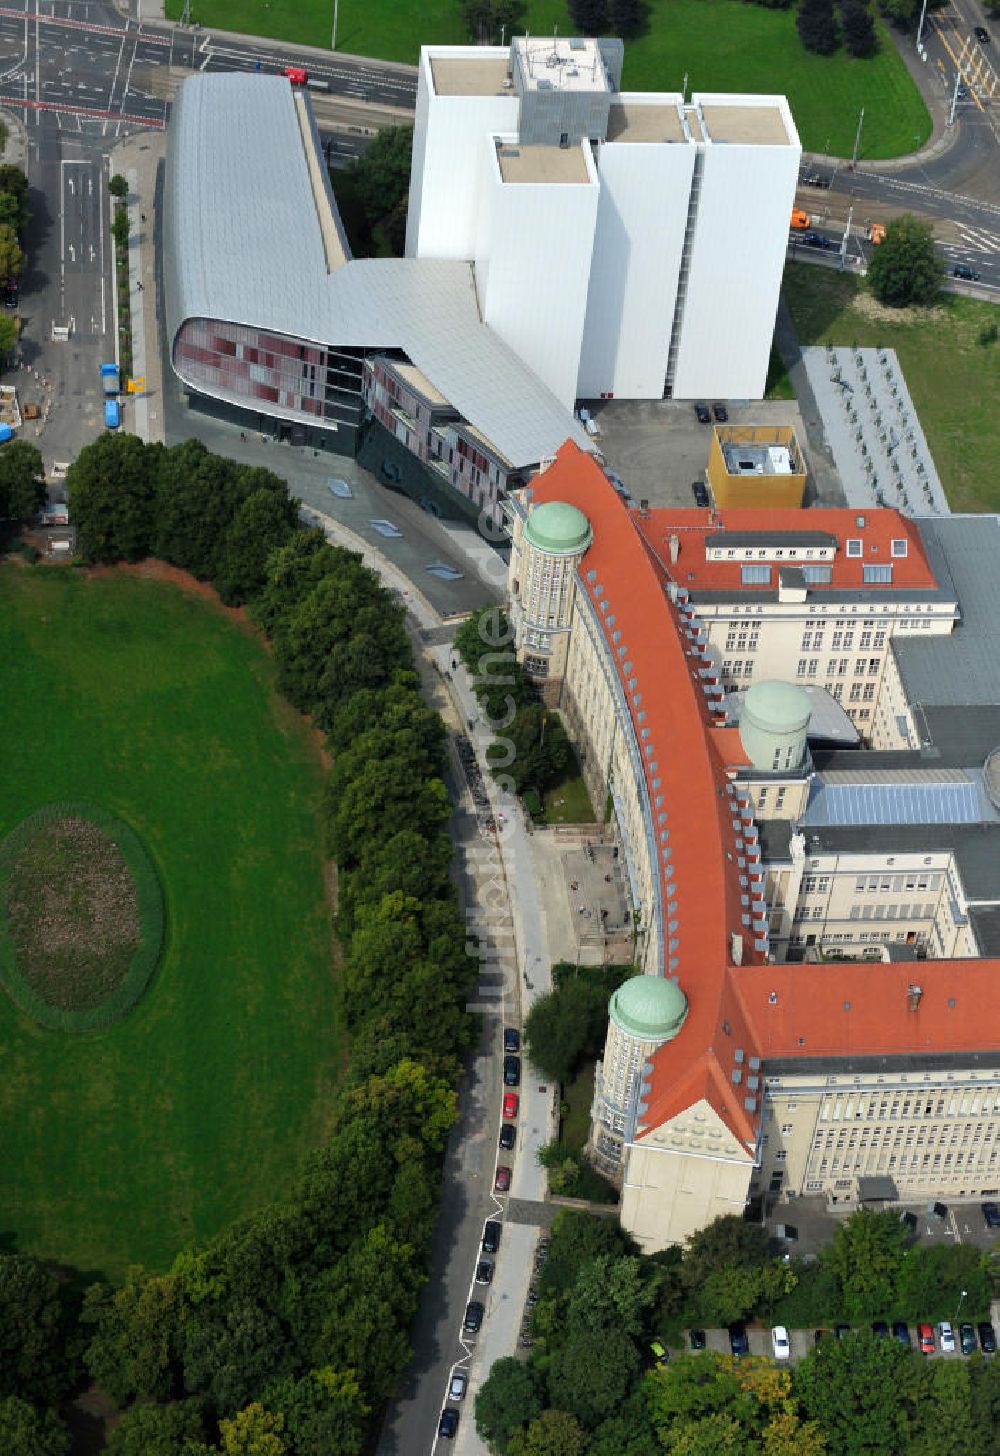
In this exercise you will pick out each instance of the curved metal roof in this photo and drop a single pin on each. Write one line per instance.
(243, 242)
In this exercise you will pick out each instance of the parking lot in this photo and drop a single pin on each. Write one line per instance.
(659, 447)
(814, 1223)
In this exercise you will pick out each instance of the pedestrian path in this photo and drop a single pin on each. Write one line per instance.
(137, 159)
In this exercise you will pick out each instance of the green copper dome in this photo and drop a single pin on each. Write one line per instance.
(782, 706)
(558, 528)
(649, 1007)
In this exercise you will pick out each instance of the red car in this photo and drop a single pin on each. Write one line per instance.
(511, 1101)
(298, 75)
(926, 1337)
(502, 1180)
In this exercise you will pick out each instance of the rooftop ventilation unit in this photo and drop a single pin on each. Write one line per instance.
(914, 995)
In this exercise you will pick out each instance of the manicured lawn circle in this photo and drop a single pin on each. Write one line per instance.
(81, 927)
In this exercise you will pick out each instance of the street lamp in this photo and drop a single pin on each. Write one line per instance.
(333, 42)
(959, 1310)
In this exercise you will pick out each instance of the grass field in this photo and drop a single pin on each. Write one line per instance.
(721, 45)
(122, 1145)
(953, 379)
(569, 802)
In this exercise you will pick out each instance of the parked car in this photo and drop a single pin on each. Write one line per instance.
(901, 1332)
(448, 1424)
(696, 1339)
(738, 1342)
(484, 1271)
(459, 1385)
(512, 1071)
(473, 1321)
(699, 492)
(511, 1039)
(946, 1336)
(492, 1229)
(659, 1352)
(817, 240)
(981, 34)
(508, 1132)
(819, 1336)
(991, 1213)
(298, 75)
(511, 1102)
(721, 413)
(704, 413)
(501, 1182)
(880, 1330)
(910, 1220)
(780, 1343)
(987, 1337)
(967, 1338)
(938, 1211)
(962, 270)
(926, 1337)
(839, 1331)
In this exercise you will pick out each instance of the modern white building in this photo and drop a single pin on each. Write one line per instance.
(625, 245)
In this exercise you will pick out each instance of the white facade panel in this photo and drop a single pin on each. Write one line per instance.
(445, 172)
(638, 243)
(532, 269)
(737, 255)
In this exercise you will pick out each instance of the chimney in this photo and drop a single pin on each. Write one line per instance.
(914, 994)
(675, 547)
(736, 948)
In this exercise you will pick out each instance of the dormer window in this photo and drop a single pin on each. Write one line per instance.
(899, 546)
(854, 547)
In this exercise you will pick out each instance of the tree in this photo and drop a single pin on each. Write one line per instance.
(261, 524)
(8, 338)
(381, 175)
(627, 16)
(577, 1239)
(22, 481)
(510, 1398)
(591, 1372)
(931, 1281)
(865, 1255)
(35, 1362)
(11, 256)
(629, 1432)
(157, 1430)
(726, 1241)
(905, 267)
(863, 1392)
(554, 1433)
(133, 1350)
(117, 186)
(120, 227)
(567, 1026)
(14, 184)
(590, 17)
(486, 18)
(324, 1412)
(29, 1432)
(817, 27)
(615, 1294)
(945, 1419)
(253, 1431)
(111, 497)
(858, 26)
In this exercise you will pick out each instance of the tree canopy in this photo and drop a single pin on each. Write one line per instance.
(905, 267)
(22, 480)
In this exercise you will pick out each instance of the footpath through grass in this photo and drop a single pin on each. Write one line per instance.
(122, 1146)
(954, 380)
(720, 45)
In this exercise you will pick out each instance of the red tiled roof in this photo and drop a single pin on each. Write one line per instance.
(861, 1008)
(692, 527)
(703, 869)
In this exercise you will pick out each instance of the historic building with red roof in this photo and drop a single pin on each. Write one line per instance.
(774, 831)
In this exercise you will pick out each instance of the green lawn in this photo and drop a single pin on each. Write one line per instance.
(721, 45)
(569, 802)
(578, 1097)
(123, 1145)
(953, 379)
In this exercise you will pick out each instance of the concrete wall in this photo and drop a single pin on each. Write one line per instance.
(633, 278)
(445, 175)
(533, 249)
(737, 259)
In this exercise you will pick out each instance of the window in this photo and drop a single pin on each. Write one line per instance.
(800, 670)
(899, 546)
(877, 575)
(817, 575)
(813, 666)
(854, 548)
(855, 692)
(869, 692)
(755, 575)
(874, 664)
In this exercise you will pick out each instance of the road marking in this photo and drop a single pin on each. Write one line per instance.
(7, 12)
(97, 114)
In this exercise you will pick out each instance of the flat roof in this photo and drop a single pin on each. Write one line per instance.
(471, 75)
(633, 121)
(750, 125)
(561, 63)
(411, 375)
(539, 163)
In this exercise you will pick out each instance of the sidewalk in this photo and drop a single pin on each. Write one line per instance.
(137, 159)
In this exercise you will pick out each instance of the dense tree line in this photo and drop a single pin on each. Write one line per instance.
(592, 1385)
(284, 1335)
(530, 752)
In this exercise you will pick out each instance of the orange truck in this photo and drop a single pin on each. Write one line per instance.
(800, 220)
(876, 232)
